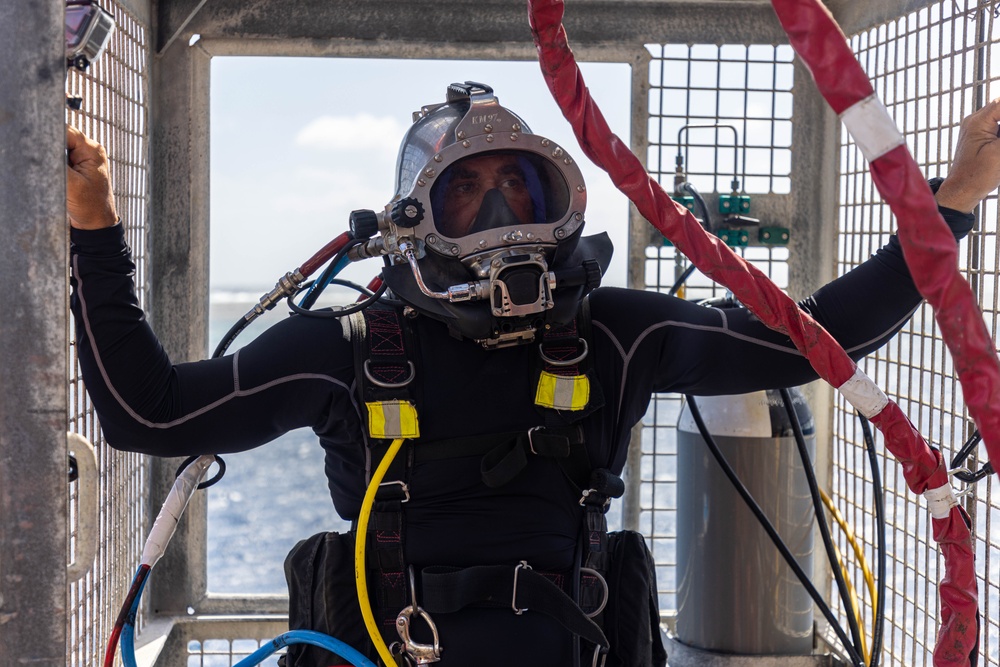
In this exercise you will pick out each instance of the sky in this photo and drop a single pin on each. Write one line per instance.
(298, 143)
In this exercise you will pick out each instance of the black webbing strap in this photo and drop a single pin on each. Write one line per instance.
(518, 588)
(383, 370)
(387, 361)
(504, 462)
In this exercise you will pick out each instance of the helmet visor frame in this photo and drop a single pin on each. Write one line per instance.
(556, 206)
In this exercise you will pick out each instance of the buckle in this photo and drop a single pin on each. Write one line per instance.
(531, 441)
(404, 487)
(513, 599)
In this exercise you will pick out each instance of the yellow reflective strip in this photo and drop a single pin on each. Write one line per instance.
(562, 392)
(392, 419)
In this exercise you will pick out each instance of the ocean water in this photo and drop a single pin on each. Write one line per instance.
(272, 496)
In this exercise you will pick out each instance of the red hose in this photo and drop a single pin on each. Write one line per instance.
(323, 254)
(922, 466)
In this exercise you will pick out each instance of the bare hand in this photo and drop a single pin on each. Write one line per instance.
(90, 201)
(975, 169)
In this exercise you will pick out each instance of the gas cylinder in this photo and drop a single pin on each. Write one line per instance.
(735, 593)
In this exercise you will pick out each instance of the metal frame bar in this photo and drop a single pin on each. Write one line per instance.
(33, 335)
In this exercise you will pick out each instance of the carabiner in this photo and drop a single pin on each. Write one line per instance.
(963, 473)
(422, 654)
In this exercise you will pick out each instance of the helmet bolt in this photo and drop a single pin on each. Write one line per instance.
(560, 233)
(421, 182)
(438, 158)
(513, 136)
(512, 237)
(580, 188)
(482, 243)
(496, 263)
(578, 216)
(557, 152)
(530, 236)
(429, 173)
(454, 250)
(516, 127)
(489, 138)
(545, 143)
(488, 128)
(411, 211)
(432, 239)
(568, 161)
(460, 134)
(466, 143)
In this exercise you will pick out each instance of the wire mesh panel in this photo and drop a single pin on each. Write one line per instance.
(114, 112)
(726, 111)
(725, 114)
(931, 68)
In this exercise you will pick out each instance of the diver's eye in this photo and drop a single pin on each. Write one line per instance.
(465, 188)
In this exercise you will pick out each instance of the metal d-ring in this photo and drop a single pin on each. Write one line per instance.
(564, 362)
(390, 385)
(604, 585)
(513, 599)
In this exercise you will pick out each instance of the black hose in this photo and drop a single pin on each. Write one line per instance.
(231, 335)
(824, 530)
(340, 312)
(705, 222)
(682, 279)
(878, 625)
(765, 523)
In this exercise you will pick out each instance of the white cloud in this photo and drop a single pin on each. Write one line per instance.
(360, 132)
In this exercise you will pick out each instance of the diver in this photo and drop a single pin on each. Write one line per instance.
(513, 377)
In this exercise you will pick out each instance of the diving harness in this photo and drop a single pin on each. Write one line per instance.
(507, 280)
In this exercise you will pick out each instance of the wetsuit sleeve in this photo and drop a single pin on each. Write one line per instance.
(296, 374)
(660, 343)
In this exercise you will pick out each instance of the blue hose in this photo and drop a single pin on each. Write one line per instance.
(127, 642)
(305, 637)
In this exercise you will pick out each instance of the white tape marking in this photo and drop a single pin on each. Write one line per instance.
(940, 501)
(861, 392)
(872, 127)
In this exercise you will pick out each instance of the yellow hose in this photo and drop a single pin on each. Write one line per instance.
(858, 551)
(359, 554)
(862, 563)
(855, 609)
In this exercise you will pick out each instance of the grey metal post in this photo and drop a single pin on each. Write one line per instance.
(179, 270)
(33, 334)
(638, 235)
(813, 247)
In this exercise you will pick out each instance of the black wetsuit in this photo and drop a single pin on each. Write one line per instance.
(301, 373)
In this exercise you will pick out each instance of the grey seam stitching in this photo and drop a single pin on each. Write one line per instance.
(237, 393)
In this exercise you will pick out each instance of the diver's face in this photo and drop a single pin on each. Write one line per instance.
(472, 178)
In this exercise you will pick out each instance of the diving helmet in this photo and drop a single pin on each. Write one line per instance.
(484, 229)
